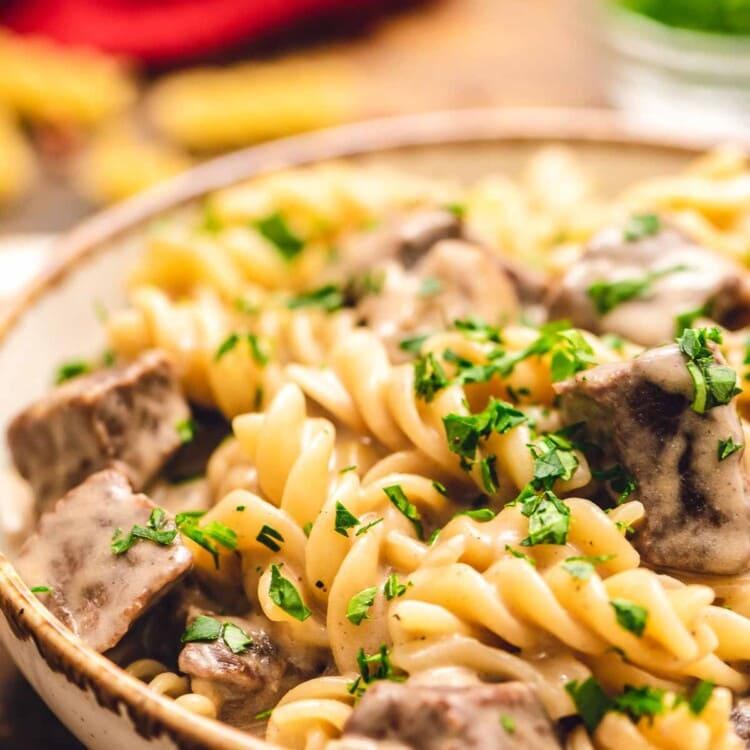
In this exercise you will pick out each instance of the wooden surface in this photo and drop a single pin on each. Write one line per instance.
(451, 53)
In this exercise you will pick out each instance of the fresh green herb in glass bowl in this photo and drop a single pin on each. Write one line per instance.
(685, 63)
(716, 16)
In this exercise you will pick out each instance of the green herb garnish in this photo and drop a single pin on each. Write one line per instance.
(205, 536)
(398, 498)
(186, 429)
(275, 229)
(607, 295)
(429, 377)
(329, 298)
(641, 226)
(392, 589)
(208, 629)
(154, 532)
(344, 520)
(356, 610)
(270, 537)
(69, 370)
(728, 447)
(284, 594)
(714, 384)
(630, 616)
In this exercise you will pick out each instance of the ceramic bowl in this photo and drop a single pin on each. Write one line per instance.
(54, 319)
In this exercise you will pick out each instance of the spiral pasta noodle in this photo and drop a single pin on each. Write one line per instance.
(171, 685)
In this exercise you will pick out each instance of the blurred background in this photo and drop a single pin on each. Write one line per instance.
(100, 99)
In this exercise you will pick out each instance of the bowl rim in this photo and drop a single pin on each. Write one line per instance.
(27, 617)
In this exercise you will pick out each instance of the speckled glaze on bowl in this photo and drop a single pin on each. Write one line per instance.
(54, 320)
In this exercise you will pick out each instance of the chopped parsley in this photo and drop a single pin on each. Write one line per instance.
(521, 555)
(412, 344)
(392, 589)
(307, 528)
(207, 629)
(592, 703)
(398, 498)
(344, 520)
(41, 590)
(714, 384)
(464, 431)
(429, 377)
(569, 350)
(508, 723)
(728, 447)
(347, 469)
(284, 594)
(440, 488)
(640, 226)
(549, 517)
(356, 610)
(480, 514)
(257, 350)
(263, 715)
(154, 531)
(270, 537)
(620, 480)
(700, 697)
(590, 700)
(69, 370)
(275, 229)
(488, 472)
(329, 298)
(364, 529)
(186, 429)
(226, 346)
(582, 566)
(630, 616)
(469, 372)
(607, 295)
(553, 459)
(640, 702)
(374, 667)
(205, 536)
(478, 330)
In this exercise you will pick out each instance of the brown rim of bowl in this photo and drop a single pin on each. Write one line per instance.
(370, 137)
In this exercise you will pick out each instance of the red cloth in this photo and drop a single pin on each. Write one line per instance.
(160, 31)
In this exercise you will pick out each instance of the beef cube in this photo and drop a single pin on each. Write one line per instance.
(245, 684)
(96, 593)
(505, 716)
(679, 275)
(697, 506)
(404, 238)
(454, 280)
(124, 417)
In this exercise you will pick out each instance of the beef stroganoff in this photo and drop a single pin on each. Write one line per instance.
(380, 461)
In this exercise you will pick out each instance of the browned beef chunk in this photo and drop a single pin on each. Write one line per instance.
(697, 507)
(96, 593)
(245, 684)
(741, 720)
(705, 279)
(124, 417)
(506, 716)
(453, 280)
(405, 238)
